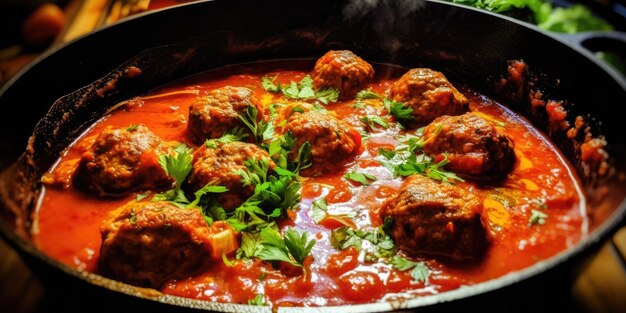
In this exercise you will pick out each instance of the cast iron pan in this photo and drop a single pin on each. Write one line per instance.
(71, 87)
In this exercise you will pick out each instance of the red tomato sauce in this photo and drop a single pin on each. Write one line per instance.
(68, 221)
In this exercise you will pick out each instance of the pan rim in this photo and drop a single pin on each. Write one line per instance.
(592, 239)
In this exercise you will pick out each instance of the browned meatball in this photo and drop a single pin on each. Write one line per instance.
(333, 142)
(121, 161)
(429, 94)
(149, 243)
(474, 147)
(211, 116)
(436, 219)
(343, 70)
(217, 166)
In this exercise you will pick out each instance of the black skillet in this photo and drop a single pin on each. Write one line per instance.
(472, 47)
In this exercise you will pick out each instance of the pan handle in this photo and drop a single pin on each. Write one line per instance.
(596, 41)
(585, 39)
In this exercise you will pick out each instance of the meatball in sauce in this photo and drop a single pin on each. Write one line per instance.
(437, 219)
(390, 219)
(214, 114)
(429, 94)
(123, 160)
(472, 145)
(148, 243)
(217, 165)
(343, 70)
(333, 142)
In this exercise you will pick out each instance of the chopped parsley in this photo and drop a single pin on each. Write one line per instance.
(380, 244)
(250, 245)
(132, 128)
(268, 84)
(133, 217)
(232, 135)
(302, 90)
(208, 188)
(361, 178)
(367, 94)
(404, 162)
(318, 210)
(293, 248)
(419, 273)
(177, 167)
(373, 120)
(141, 196)
(261, 130)
(436, 172)
(537, 218)
(388, 154)
(279, 149)
(259, 300)
(399, 110)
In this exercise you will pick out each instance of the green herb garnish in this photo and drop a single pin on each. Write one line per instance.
(302, 90)
(361, 178)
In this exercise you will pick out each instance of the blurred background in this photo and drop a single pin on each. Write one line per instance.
(30, 27)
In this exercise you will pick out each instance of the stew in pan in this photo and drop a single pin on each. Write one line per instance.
(302, 183)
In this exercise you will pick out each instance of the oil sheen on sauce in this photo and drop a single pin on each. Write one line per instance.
(68, 221)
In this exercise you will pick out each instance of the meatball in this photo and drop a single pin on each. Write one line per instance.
(149, 243)
(429, 94)
(343, 70)
(436, 219)
(473, 146)
(211, 116)
(121, 161)
(217, 165)
(332, 141)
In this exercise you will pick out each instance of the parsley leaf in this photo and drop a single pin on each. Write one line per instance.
(537, 218)
(382, 245)
(304, 157)
(402, 264)
(327, 95)
(435, 172)
(250, 245)
(132, 128)
(401, 112)
(367, 94)
(419, 273)
(208, 188)
(257, 300)
(303, 90)
(299, 244)
(279, 149)
(261, 130)
(141, 196)
(388, 154)
(361, 178)
(373, 120)
(293, 249)
(255, 173)
(318, 210)
(179, 166)
(422, 164)
(232, 135)
(268, 84)
(274, 194)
